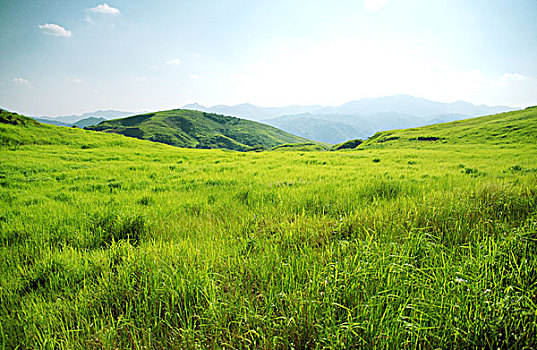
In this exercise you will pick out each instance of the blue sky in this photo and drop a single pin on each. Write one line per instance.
(70, 57)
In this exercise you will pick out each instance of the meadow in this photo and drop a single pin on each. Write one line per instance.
(111, 242)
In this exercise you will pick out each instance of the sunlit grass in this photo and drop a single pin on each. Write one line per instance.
(144, 245)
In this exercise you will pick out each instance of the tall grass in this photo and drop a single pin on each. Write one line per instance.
(158, 247)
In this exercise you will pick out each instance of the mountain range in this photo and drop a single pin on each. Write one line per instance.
(328, 124)
(85, 119)
(356, 119)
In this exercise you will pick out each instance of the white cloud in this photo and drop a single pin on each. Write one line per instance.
(513, 77)
(174, 61)
(141, 78)
(89, 19)
(76, 80)
(105, 9)
(374, 5)
(194, 77)
(56, 30)
(21, 82)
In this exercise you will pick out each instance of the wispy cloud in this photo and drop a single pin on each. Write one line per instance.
(141, 78)
(194, 77)
(56, 30)
(374, 5)
(174, 61)
(105, 9)
(21, 82)
(513, 77)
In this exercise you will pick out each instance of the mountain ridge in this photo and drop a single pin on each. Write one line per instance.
(366, 105)
(358, 118)
(73, 119)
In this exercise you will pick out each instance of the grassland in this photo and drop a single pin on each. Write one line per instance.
(507, 128)
(112, 242)
(193, 129)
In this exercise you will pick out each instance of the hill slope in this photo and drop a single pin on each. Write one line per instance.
(194, 129)
(506, 128)
(17, 130)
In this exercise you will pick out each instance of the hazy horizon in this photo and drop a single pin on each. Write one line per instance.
(70, 58)
(186, 106)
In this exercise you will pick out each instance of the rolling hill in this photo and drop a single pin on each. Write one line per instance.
(17, 130)
(519, 127)
(195, 129)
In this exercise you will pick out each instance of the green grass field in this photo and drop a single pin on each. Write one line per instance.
(112, 242)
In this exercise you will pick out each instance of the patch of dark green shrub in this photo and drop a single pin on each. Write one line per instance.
(145, 200)
(471, 171)
(427, 138)
(351, 144)
(110, 227)
(114, 185)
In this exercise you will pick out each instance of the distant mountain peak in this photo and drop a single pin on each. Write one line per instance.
(193, 105)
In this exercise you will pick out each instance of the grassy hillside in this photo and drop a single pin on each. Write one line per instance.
(506, 128)
(113, 242)
(17, 130)
(194, 129)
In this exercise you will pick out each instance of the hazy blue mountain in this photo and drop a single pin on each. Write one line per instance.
(249, 111)
(363, 118)
(446, 118)
(405, 104)
(318, 129)
(88, 122)
(50, 121)
(72, 119)
(337, 128)
(401, 104)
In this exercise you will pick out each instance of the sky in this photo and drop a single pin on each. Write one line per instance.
(70, 57)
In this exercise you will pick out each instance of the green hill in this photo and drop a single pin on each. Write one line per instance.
(194, 129)
(17, 130)
(505, 128)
